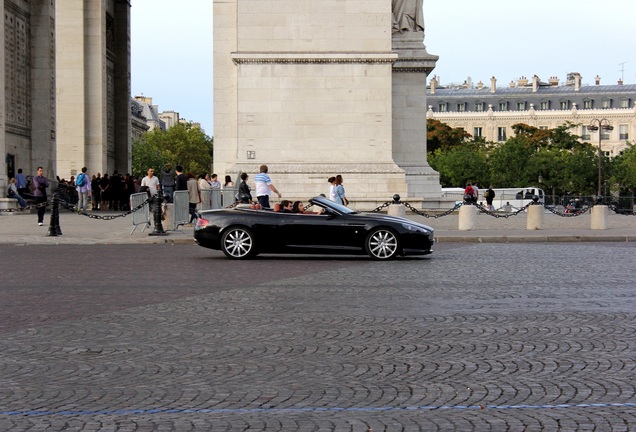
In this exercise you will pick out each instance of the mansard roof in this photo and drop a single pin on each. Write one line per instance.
(543, 92)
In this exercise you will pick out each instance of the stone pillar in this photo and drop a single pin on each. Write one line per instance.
(535, 217)
(599, 217)
(93, 86)
(409, 108)
(467, 217)
(397, 210)
(3, 72)
(122, 122)
(43, 133)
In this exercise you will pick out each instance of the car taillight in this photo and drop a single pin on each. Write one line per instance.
(201, 223)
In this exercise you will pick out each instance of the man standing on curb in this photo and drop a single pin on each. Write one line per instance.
(151, 182)
(40, 183)
(83, 187)
(181, 182)
(264, 187)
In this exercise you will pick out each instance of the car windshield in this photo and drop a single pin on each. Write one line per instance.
(326, 203)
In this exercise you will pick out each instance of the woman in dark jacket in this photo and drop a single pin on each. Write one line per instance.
(244, 195)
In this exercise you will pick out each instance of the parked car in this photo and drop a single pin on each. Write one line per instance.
(244, 232)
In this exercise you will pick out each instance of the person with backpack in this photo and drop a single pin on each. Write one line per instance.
(83, 188)
(469, 194)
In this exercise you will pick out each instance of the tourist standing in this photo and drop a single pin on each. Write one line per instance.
(490, 196)
(21, 183)
(244, 195)
(194, 195)
(332, 188)
(40, 183)
(180, 181)
(151, 182)
(83, 188)
(339, 192)
(264, 187)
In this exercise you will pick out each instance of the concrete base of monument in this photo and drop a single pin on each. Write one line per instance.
(367, 186)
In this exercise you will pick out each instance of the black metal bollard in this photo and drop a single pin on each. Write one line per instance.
(396, 199)
(54, 223)
(158, 201)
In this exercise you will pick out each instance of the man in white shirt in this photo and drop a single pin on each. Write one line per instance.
(264, 187)
(151, 182)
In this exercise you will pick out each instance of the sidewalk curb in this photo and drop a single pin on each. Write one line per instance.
(536, 239)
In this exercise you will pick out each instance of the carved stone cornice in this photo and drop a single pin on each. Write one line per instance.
(318, 168)
(312, 58)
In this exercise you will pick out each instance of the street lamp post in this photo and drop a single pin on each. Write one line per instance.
(600, 126)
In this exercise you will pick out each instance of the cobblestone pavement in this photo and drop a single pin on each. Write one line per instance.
(532, 337)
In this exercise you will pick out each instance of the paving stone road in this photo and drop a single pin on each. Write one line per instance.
(518, 337)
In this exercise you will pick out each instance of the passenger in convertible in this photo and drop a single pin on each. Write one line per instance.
(299, 207)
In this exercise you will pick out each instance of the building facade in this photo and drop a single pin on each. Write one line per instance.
(490, 111)
(64, 86)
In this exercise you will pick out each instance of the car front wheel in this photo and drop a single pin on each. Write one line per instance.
(237, 243)
(382, 244)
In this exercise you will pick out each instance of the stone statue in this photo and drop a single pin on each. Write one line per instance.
(408, 16)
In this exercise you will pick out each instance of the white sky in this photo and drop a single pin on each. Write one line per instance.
(172, 45)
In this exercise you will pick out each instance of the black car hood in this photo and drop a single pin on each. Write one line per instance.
(396, 219)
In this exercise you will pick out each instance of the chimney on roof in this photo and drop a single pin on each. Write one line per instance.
(480, 85)
(512, 84)
(597, 80)
(465, 85)
(554, 81)
(620, 82)
(535, 83)
(493, 84)
(433, 84)
(522, 81)
(577, 82)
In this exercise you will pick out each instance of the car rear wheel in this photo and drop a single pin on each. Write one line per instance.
(237, 243)
(382, 244)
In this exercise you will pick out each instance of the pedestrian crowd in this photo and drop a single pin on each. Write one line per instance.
(112, 192)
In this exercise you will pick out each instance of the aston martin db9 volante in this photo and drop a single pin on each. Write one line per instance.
(331, 229)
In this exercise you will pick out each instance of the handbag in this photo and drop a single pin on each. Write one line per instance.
(345, 201)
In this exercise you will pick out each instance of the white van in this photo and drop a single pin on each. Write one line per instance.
(506, 199)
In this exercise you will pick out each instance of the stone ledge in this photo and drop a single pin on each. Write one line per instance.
(326, 57)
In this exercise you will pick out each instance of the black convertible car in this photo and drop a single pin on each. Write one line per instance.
(336, 229)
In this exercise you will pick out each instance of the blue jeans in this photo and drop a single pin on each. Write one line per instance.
(21, 200)
(168, 190)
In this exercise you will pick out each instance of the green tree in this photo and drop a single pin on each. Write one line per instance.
(441, 136)
(458, 164)
(181, 144)
(623, 170)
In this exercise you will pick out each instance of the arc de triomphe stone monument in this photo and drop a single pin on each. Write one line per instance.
(315, 88)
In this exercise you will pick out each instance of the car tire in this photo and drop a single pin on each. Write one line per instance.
(238, 243)
(382, 244)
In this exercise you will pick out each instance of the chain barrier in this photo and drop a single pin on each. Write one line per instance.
(29, 207)
(430, 215)
(73, 208)
(572, 213)
(504, 215)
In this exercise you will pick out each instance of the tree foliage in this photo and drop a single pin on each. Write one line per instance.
(556, 156)
(460, 164)
(440, 135)
(623, 167)
(182, 144)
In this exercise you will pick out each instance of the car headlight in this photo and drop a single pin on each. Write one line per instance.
(414, 228)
